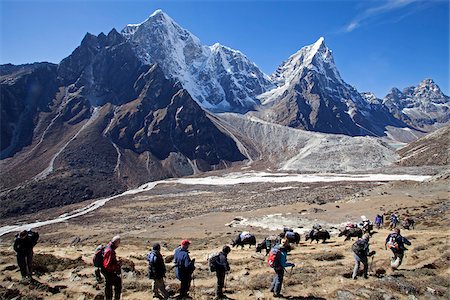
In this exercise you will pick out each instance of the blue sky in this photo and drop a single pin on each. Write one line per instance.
(376, 44)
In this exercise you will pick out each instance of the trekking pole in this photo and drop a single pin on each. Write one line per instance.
(371, 263)
(193, 285)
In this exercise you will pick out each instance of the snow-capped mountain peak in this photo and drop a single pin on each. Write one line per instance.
(317, 57)
(181, 55)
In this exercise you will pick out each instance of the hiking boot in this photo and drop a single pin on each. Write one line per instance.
(366, 277)
(278, 296)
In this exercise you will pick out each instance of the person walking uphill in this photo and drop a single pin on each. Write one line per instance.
(112, 270)
(278, 261)
(157, 272)
(184, 267)
(222, 267)
(361, 253)
(23, 245)
(396, 243)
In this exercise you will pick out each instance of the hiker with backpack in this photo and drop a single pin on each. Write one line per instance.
(112, 270)
(218, 262)
(379, 220)
(396, 243)
(278, 261)
(394, 221)
(184, 268)
(24, 243)
(157, 272)
(361, 253)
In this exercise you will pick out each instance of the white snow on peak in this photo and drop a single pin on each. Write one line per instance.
(217, 77)
(316, 57)
(157, 12)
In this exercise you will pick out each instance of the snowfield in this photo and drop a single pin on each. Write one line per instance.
(228, 179)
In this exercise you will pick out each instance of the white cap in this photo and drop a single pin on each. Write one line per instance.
(114, 239)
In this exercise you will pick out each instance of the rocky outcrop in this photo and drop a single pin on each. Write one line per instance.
(423, 107)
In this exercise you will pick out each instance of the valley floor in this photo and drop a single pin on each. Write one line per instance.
(211, 215)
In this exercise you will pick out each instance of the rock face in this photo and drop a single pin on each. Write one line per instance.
(311, 95)
(423, 107)
(432, 149)
(217, 77)
(25, 91)
(102, 116)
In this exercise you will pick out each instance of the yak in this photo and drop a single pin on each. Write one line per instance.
(318, 235)
(249, 239)
(267, 244)
(351, 232)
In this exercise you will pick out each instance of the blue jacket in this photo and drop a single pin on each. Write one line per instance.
(282, 263)
(184, 266)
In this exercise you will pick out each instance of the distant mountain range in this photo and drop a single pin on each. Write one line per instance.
(152, 102)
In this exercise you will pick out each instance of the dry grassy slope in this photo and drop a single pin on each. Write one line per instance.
(320, 272)
(432, 149)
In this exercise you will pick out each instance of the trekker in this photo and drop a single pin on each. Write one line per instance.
(184, 267)
(361, 253)
(379, 220)
(280, 263)
(23, 245)
(394, 221)
(222, 267)
(112, 270)
(157, 272)
(396, 243)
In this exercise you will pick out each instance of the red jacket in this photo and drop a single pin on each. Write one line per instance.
(110, 263)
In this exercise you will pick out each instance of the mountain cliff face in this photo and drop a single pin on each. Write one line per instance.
(422, 107)
(217, 77)
(311, 95)
(25, 91)
(105, 117)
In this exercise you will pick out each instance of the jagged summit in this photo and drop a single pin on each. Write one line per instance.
(218, 78)
(315, 56)
(420, 106)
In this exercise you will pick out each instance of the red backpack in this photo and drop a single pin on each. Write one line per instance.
(274, 257)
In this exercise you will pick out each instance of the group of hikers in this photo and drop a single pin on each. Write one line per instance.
(107, 264)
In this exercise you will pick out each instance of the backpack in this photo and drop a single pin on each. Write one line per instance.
(359, 247)
(392, 243)
(213, 261)
(97, 259)
(34, 237)
(151, 258)
(274, 257)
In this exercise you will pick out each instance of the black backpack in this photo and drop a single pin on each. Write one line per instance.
(213, 261)
(34, 237)
(359, 247)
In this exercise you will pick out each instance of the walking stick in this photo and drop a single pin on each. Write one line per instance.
(193, 284)
(371, 264)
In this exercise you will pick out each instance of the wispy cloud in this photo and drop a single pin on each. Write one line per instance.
(371, 14)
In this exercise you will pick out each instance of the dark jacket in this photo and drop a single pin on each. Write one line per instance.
(156, 266)
(110, 262)
(365, 248)
(401, 241)
(25, 245)
(222, 263)
(184, 266)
